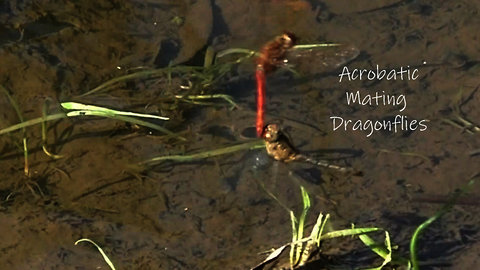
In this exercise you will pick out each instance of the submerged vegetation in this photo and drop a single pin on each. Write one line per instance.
(302, 249)
(197, 86)
(199, 90)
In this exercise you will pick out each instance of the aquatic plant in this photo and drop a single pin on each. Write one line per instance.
(15, 106)
(447, 207)
(105, 257)
(301, 248)
(80, 110)
(254, 144)
(458, 118)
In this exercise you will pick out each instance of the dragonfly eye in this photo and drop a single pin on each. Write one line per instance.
(270, 132)
(288, 39)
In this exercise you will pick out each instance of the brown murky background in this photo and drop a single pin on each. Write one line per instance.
(214, 214)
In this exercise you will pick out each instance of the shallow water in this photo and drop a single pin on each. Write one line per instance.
(215, 213)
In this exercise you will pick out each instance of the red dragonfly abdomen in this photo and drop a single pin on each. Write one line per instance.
(312, 58)
(271, 56)
(260, 121)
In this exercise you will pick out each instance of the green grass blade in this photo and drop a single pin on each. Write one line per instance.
(303, 216)
(301, 222)
(383, 251)
(105, 257)
(45, 130)
(295, 245)
(13, 103)
(424, 225)
(227, 98)
(317, 231)
(152, 73)
(209, 57)
(374, 246)
(80, 109)
(25, 156)
(206, 154)
(312, 46)
(57, 116)
(318, 228)
(236, 51)
(32, 122)
(273, 196)
(416, 234)
(348, 232)
(125, 119)
(20, 117)
(85, 107)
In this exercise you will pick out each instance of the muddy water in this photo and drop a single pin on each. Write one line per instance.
(215, 214)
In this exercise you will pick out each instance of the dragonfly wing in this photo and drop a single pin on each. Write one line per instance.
(322, 59)
(334, 57)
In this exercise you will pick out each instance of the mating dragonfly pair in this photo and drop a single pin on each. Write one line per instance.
(278, 52)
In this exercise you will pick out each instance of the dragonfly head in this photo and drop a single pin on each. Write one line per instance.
(287, 39)
(271, 132)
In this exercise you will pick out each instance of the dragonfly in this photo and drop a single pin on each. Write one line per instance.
(282, 51)
(279, 146)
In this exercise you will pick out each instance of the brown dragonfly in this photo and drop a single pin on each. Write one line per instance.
(280, 147)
